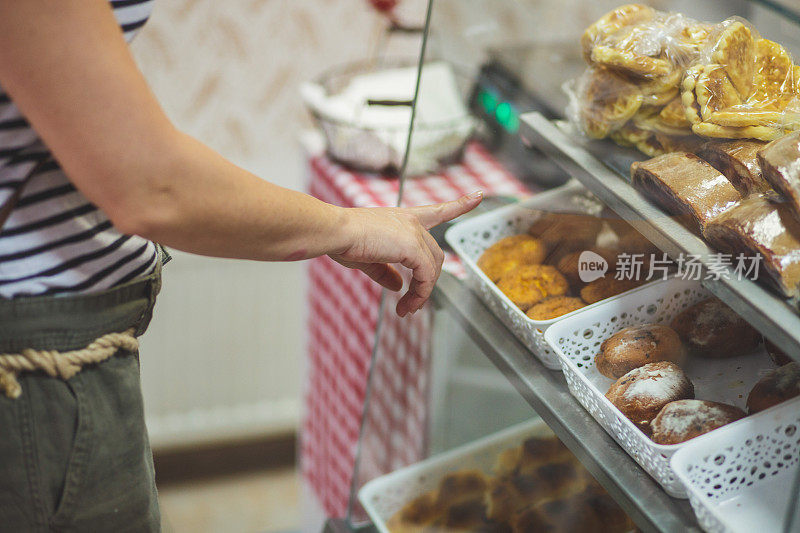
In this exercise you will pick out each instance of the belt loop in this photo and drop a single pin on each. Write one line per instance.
(153, 288)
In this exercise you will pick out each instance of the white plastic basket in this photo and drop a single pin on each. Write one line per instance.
(383, 497)
(472, 237)
(739, 478)
(577, 340)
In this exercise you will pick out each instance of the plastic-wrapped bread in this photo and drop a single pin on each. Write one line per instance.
(738, 161)
(762, 224)
(780, 161)
(684, 184)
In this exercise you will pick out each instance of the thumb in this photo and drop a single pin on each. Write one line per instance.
(433, 215)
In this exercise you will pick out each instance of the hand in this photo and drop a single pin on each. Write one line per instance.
(381, 237)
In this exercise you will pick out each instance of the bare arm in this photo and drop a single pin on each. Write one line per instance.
(68, 68)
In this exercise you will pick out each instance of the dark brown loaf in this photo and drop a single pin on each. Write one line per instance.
(636, 346)
(780, 163)
(682, 420)
(643, 392)
(778, 386)
(712, 329)
(760, 226)
(738, 161)
(684, 184)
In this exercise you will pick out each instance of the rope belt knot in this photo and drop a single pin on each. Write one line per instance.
(62, 365)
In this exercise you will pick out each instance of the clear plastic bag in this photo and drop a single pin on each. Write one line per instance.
(661, 81)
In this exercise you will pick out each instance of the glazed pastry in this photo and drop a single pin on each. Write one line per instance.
(684, 184)
(738, 161)
(554, 307)
(569, 265)
(636, 346)
(760, 226)
(590, 511)
(528, 285)
(776, 387)
(777, 355)
(682, 420)
(643, 392)
(606, 287)
(712, 329)
(510, 252)
(507, 494)
(780, 162)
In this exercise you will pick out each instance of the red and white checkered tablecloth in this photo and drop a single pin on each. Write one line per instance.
(342, 324)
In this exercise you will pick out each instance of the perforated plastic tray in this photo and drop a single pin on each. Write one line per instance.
(739, 477)
(383, 497)
(576, 341)
(472, 237)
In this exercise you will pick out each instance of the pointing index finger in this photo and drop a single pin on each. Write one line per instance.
(432, 215)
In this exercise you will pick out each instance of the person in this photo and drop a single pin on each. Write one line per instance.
(92, 175)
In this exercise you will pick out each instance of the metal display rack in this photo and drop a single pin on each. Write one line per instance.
(775, 317)
(546, 391)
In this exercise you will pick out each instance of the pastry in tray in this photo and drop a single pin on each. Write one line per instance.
(682, 420)
(554, 307)
(762, 226)
(539, 474)
(569, 265)
(644, 391)
(780, 161)
(566, 232)
(527, 285)
(457, 504)
(776, 387)
(606, 287)
(510, 252)
(712, 329)
(738, 161)
(637, 346)
(684, 184)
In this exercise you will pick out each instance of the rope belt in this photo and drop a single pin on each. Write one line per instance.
(62, 365)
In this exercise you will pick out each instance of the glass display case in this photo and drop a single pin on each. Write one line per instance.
(493, 363)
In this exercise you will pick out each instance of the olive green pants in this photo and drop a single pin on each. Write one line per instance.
(74, 455)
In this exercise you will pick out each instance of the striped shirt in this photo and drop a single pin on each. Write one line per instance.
(55, 241)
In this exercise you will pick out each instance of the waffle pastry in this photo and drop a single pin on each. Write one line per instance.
(611, 23)
(696, 80)
(608, 100)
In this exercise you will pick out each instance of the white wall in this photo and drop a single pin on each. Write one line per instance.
(223, 356)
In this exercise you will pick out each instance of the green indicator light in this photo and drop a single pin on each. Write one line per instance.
(507, 117)
(488, 101)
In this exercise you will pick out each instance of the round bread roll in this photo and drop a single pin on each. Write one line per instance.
(636, 346)
(712, 329)
(510, 252)
(554, 307)
(643, 392)
(569, 265)
(777, 355)
(777, 386)
(528, 285)
(682, 420)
